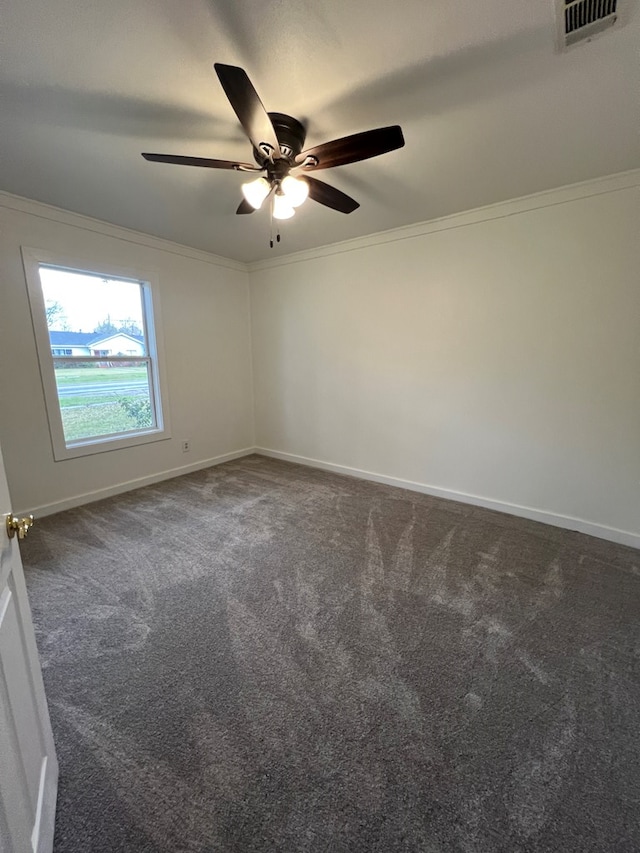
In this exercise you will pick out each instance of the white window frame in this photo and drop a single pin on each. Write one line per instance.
(62, 450)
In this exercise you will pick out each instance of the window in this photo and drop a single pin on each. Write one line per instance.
(99, 353)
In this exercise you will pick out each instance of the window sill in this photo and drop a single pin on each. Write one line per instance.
(92, 446)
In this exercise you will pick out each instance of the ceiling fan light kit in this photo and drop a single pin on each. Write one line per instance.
(295, 190)
(281, 207)
(289, 193)
(256, 191)
(277, 141)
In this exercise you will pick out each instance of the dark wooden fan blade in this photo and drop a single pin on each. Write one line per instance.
(247, 106)
(245, 207)
(330, 196)
(201, 161)
(350, 149)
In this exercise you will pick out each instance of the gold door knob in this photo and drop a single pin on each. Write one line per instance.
(18, 525)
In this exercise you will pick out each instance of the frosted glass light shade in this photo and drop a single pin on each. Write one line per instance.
(282, 208)
(256, 191)
(295, 191)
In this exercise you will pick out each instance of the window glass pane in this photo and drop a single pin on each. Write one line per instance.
(92, 316)
(98, 353)
(103, 398)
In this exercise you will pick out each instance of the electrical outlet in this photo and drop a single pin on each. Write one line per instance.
(186, 446)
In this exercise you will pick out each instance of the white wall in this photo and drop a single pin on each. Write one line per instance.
(205, 312)
(494, 355)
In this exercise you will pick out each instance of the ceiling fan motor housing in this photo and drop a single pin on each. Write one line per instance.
(290, 133)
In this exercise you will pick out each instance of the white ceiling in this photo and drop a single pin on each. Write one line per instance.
(489, 109)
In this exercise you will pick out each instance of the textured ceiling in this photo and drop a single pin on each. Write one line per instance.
(489, 109)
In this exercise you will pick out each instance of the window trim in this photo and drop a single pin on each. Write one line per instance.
(32, 259)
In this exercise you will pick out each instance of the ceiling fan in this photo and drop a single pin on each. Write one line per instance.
(277, 141)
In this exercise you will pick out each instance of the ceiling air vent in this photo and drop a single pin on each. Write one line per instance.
(580, 20)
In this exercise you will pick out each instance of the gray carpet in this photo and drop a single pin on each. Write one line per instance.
(265, 657)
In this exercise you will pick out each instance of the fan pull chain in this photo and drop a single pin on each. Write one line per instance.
(271, 227)
(277, 235)
(271, 223)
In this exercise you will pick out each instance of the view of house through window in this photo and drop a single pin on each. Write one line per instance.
(101, 354)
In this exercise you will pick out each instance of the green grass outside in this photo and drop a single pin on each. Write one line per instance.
(84, 401)
(82, 375)
(86, 421)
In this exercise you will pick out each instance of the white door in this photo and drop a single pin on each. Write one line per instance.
(28, 765)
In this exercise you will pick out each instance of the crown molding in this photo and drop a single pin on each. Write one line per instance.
(498, 210)
(107, 229)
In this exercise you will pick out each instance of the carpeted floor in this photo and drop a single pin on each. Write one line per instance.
(264, 657)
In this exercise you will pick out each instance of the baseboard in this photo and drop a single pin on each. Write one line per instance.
(612, 534)
(130, 485)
